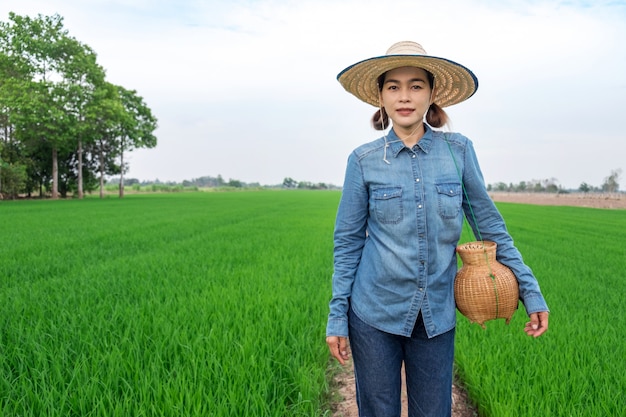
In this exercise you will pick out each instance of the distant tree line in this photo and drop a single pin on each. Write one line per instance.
(219, 182)
(63, 127)
(551, 185)
(306, 185)
(202, 182)
(216, 182)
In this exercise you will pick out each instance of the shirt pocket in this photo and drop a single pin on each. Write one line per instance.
(387, 203)
(449, 199)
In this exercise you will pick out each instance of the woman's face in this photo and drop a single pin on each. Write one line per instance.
(406, 96)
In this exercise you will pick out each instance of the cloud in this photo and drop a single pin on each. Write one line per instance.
(247, 88)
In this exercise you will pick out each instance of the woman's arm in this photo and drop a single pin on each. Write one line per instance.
(349, 239)
(488, 224)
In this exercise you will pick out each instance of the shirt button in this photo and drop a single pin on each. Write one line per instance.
(420, 206)
(414, 156)
(417, 180)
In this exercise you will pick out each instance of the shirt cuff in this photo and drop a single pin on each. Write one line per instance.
(535, 304)
(337, 327)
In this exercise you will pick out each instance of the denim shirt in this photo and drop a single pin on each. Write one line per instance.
(397, 228)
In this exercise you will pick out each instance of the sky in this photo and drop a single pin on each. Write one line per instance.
(247, 89)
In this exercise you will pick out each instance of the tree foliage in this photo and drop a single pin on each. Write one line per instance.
(136, 127)
(611, 183)
(60, 120)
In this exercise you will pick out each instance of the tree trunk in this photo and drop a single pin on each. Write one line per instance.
(101, 156)
(122, 175)
(55, 174)
(80, 169)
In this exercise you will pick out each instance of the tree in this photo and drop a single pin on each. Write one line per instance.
(584, 188)
(61, 120)
(42, 52)
(235, 183)
(611, 183)
(104, 115)
(13, 179)
(13, 78)
(83, 77)
(53, 81)
(290, 183)
(137, 127)
(501, 187)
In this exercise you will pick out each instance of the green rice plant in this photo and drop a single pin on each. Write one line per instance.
(215, 304)
(190, 304)
(576, 368)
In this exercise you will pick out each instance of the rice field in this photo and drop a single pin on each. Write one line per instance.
(199, 304)
(577, 368)
(215, 304)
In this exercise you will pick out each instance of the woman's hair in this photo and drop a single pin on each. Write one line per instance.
(435, 116)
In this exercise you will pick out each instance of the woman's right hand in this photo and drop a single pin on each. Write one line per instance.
(338, 348)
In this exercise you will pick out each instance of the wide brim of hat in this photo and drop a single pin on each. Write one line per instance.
(454, 83)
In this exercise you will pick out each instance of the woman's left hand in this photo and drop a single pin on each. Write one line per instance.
(538, 324)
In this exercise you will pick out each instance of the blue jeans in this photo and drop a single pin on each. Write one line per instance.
(378, 357)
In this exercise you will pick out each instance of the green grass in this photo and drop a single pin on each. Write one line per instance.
(215, 304)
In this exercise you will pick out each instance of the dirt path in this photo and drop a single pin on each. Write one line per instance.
(594, 200)
(346, 407)
(461, 406)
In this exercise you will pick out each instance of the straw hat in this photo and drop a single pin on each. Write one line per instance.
(453, 82)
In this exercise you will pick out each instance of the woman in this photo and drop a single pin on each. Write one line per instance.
(397, 227)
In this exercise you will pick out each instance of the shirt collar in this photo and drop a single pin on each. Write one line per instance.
(396, 145)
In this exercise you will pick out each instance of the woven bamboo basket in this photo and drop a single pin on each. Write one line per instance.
(484, 289)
